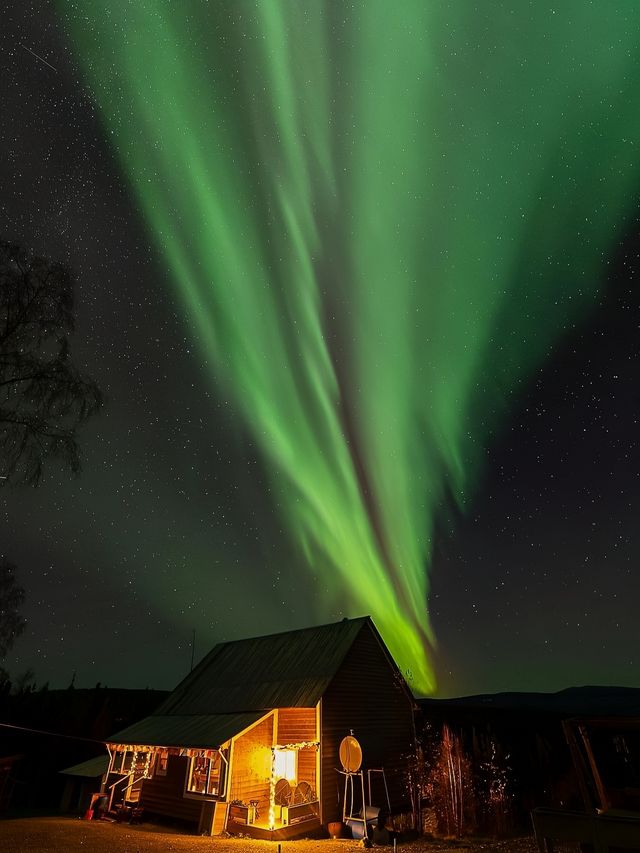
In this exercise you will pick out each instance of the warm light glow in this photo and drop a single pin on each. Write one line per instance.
(272, 791)
(285, 764)
(205, 773)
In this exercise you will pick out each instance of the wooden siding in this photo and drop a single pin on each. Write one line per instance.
(366, 696)
(219, 819)
(164, 795)
(213, 817)
(296, 725)
(307, 767)
(251, 765)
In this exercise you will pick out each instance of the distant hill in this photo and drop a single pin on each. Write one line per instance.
(573, 701)
(85, 713)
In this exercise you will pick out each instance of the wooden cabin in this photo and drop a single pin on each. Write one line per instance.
(249, 741)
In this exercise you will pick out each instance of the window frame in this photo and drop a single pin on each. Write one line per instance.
(190, 793)
(161, 763)
(294, 757)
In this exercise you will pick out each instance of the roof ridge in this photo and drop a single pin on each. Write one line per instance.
(287, 668)
(292, 631)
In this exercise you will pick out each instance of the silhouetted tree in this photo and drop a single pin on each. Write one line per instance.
(43, 396)
(12, 624)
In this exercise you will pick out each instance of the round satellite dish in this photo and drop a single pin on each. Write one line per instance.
(350, 754)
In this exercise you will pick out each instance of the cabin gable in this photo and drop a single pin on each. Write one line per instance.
(369, 696)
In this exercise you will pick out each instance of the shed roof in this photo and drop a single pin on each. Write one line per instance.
(289, 670)
(89, 769)
(206, 731)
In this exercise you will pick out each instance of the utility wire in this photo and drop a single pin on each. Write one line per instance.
(50, 734)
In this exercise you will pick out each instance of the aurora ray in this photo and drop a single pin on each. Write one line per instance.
(379, 222)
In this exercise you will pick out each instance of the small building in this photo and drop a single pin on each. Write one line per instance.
(249, 741)
(83, 780)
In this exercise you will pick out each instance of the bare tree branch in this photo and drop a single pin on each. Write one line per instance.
(44, 398)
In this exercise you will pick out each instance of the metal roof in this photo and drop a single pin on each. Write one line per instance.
(239, 682)
(207, 731)
(290, 670)
(90, 769)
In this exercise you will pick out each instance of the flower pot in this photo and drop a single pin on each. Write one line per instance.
(334, 829)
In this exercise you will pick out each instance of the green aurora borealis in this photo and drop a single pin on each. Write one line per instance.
(379, 219)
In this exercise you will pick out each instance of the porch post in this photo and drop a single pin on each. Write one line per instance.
(272, 791)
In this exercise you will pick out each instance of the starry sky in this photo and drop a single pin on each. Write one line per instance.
(185, 517)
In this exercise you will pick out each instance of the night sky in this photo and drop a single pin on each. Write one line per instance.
(497, 175)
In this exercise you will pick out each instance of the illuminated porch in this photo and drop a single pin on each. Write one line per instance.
(291, 807)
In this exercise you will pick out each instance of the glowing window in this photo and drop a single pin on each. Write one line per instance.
(285, 764)
(206, 775)
(122, 761)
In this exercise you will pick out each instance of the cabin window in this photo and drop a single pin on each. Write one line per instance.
(122, 761)
(131, 762)
(141, 763)
(285, 764)
(162, 759)
(206, 775)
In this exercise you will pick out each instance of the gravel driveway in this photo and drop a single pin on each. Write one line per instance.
(64, 835)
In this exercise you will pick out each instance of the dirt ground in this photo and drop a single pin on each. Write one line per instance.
(63, 835)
